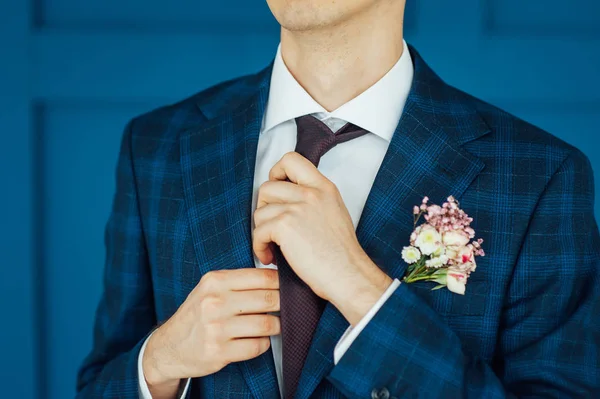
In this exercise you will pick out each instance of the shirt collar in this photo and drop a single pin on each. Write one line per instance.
(377, 109)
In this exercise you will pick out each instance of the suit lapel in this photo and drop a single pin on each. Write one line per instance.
(218, 162)
(425, 158)
(218, 171)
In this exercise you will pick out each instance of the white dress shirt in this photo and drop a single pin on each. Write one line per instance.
(351, 166)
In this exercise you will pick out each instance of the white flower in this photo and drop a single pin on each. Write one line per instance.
(428, 240)
(451, 253)
(455, 238)
(411, 254)
(439, 252)
(437, 262)
(456, 281)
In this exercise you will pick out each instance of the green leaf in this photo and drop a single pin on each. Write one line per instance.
(437, 287)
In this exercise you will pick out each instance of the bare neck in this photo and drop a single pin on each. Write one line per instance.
(337, 63)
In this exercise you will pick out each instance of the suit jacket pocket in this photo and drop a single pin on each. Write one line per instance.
(447, 303)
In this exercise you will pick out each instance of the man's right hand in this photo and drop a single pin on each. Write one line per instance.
(223, 320)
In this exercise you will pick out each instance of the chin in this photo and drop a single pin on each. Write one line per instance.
(305, 15)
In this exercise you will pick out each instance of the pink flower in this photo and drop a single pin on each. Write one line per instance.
(413, 238)
(465, 254)
(434, 210)
(444, 244)
(455, 238)
(466, 268)
(456, 281)
(470, 232)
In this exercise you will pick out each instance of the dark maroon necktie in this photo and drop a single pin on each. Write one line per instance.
(300, 308)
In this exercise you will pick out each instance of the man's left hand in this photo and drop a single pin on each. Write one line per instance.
(302, 211)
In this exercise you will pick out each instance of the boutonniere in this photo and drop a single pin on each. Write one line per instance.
(442, 249)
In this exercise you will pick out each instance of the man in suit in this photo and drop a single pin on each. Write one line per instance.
(314, 164)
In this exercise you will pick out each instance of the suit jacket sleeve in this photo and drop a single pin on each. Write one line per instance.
(548, 344)
(125, 314)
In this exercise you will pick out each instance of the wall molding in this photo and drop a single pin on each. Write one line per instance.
(496, 28)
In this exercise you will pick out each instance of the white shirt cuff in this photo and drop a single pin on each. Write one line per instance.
(351, 333)
(144, 392)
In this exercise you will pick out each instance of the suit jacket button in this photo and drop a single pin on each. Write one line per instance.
(383, 393)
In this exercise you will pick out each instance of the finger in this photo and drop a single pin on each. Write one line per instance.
(279, 192)
(268, 212)
(252, 302)
(250, 326)
(241, 279)
(239, 350)
(264, 237)
(297, 169)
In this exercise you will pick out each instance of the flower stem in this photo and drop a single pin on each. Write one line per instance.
(410, 279)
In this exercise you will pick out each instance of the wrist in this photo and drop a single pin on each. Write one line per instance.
(361, 290)
(156, 361)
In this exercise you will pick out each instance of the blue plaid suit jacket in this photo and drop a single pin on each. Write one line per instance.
(528, 326)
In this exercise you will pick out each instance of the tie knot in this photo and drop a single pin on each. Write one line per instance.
(315, 138)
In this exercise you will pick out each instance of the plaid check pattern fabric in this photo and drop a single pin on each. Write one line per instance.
(301, 308)
(527, 327)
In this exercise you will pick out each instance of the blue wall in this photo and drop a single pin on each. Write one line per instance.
(73, 72)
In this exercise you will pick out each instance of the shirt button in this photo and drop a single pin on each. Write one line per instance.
(383, 393)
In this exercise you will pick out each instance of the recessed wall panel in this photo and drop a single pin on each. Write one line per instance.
(141, 66)
(158, 14)
(80, 150)
(545, 17)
